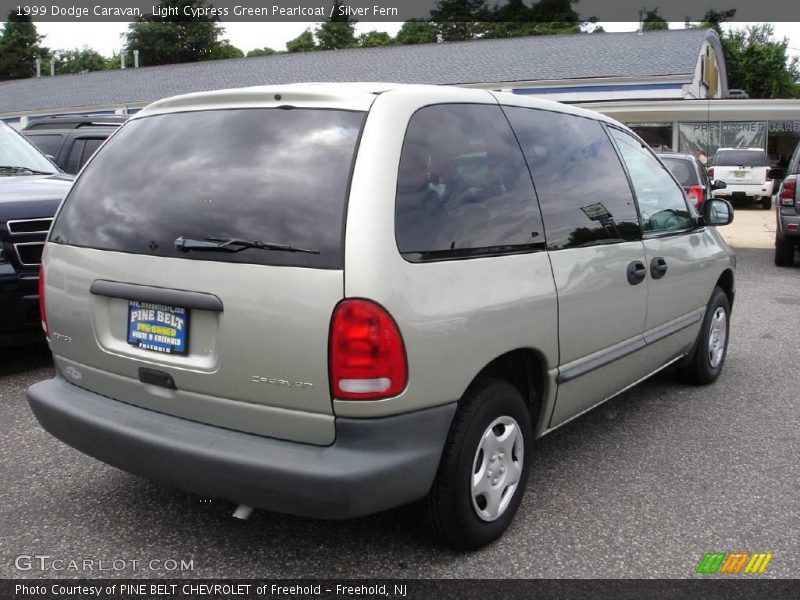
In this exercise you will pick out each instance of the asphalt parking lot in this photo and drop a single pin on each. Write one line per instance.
(642, 487)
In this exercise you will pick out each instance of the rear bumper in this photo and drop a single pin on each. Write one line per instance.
(788, 224)
(19, 308)
(373, 465)
(740, 190)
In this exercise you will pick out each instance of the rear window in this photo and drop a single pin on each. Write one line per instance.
(278, 176)
(741, 158)
(48, 144)
(683, 170)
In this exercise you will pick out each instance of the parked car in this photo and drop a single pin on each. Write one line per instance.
(71, 140)
(787, 232)
(692, 176)
(355, 298)
(745, 171)
(31, 188)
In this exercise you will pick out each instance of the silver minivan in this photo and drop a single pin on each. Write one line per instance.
(333, 299)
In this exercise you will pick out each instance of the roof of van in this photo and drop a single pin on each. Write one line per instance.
(341, 95)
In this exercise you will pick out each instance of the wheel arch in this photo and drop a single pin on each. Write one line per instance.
(726, 283)
(524, 368)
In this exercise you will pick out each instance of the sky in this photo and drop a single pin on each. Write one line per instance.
(105, 37)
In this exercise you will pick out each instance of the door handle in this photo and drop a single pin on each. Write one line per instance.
(658, 267)
(636, 272)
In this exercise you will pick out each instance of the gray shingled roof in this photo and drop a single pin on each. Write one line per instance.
(485, 61)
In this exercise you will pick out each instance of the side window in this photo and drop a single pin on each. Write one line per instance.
(584, 194)
(794, 162)
(660, 199)
(704, 180)
(462, 186)
(48, 144)
(90, 147)
(73, 163)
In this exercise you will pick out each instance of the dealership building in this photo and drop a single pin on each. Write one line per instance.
(669, 86)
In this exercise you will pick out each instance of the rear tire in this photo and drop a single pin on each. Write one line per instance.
(711, 347)
(484, 467)
(784, 252)
(766, 202)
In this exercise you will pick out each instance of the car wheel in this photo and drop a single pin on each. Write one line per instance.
(784, 252)
(484, 467)
(712, 344)
(766, 202)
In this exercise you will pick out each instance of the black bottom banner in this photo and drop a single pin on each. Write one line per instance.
(401, 589)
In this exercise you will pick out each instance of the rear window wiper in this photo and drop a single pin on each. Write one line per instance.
(18, 169)
(233, 245)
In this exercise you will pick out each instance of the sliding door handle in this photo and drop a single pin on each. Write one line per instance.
(636, 272)
(658, 267)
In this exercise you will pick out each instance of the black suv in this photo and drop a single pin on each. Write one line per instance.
(31, 188)
(787, 233)
(70, 140)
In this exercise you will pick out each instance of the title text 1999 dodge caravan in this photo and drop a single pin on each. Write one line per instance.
(330, 300)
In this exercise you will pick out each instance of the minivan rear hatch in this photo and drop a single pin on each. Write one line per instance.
(195, 265)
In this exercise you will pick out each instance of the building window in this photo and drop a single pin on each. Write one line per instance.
(656, 135)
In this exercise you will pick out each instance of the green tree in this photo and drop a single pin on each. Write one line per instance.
(416, 31)
(713, 18)
(652, 21)
(555, 11)
(265, 51)
(177, 38)
(461, 19)
(19, 48)
(372, 39)
(79, 60)
(339, 32)
(759, 64)
(302, 43)
(514, 18)
(224, 49)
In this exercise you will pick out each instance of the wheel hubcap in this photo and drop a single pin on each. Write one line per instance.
(717, 337)
(497, 468)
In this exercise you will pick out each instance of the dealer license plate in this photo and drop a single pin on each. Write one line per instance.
(158, 327)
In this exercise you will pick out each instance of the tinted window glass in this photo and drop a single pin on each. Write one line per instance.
(704, 180)
(661, 201)
(794, 163)
(582, 188)
(683, 170)
(741, 158)
(266, 175)
(74, 158)
(48, 144)
(90, 147)
(463, 187)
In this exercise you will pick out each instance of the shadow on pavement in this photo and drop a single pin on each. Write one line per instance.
(24, 358)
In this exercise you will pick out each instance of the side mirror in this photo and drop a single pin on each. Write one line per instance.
(776, 173)
(718, 184)
(717, 212)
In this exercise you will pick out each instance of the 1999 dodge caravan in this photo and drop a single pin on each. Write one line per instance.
(330, 300)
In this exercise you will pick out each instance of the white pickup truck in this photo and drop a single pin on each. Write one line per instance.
(744, 170)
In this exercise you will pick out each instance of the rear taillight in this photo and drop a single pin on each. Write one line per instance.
(42, 311)
(695, 193)
(788, 192)
(711, 173)
(366, 353)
